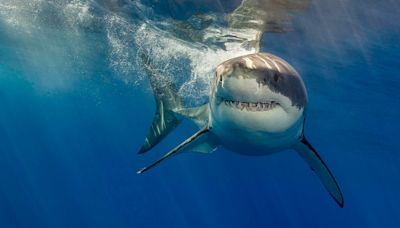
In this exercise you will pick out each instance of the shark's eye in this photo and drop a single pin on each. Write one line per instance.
(276, 77)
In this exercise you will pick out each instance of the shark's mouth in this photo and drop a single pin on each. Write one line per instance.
(250, 106)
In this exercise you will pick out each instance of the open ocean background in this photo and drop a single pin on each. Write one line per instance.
(75, 107)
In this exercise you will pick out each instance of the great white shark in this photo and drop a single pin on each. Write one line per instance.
(257, 106)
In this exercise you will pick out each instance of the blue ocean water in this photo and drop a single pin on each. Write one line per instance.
(76, 106)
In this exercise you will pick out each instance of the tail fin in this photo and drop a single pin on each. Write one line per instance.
(167, 100)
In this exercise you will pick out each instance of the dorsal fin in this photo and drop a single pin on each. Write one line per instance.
(263, 16)
(167, 99)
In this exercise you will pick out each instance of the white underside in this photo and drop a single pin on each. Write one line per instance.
(275, 120)
(256, 132)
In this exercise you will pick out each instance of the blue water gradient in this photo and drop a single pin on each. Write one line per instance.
(70, 126)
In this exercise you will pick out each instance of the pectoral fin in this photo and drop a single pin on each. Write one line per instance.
(202, 141)
(310, 155)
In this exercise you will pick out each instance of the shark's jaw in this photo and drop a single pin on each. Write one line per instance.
(269, 114)
(250, 106)
(265, 125)
(242, 103)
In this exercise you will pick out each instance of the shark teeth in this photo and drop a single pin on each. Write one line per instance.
(250, 106)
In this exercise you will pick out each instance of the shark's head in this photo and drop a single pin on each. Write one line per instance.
(257, 92)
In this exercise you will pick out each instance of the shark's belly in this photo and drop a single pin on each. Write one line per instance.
(249, 142)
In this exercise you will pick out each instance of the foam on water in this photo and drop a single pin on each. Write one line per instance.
(122, 52)
(58, 36)
(192, 63)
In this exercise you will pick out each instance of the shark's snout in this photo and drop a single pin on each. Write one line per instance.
(257, 92)
(259, 78)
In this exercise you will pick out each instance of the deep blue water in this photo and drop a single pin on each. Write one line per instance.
(74, 110)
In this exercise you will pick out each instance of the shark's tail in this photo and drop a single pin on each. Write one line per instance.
(167, 100)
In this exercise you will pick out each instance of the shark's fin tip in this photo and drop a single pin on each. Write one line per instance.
(142, 150)
(310, 155)
(140, 171)
(341, 204)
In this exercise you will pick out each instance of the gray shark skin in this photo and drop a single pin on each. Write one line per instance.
(266, 15)
(256, 107)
